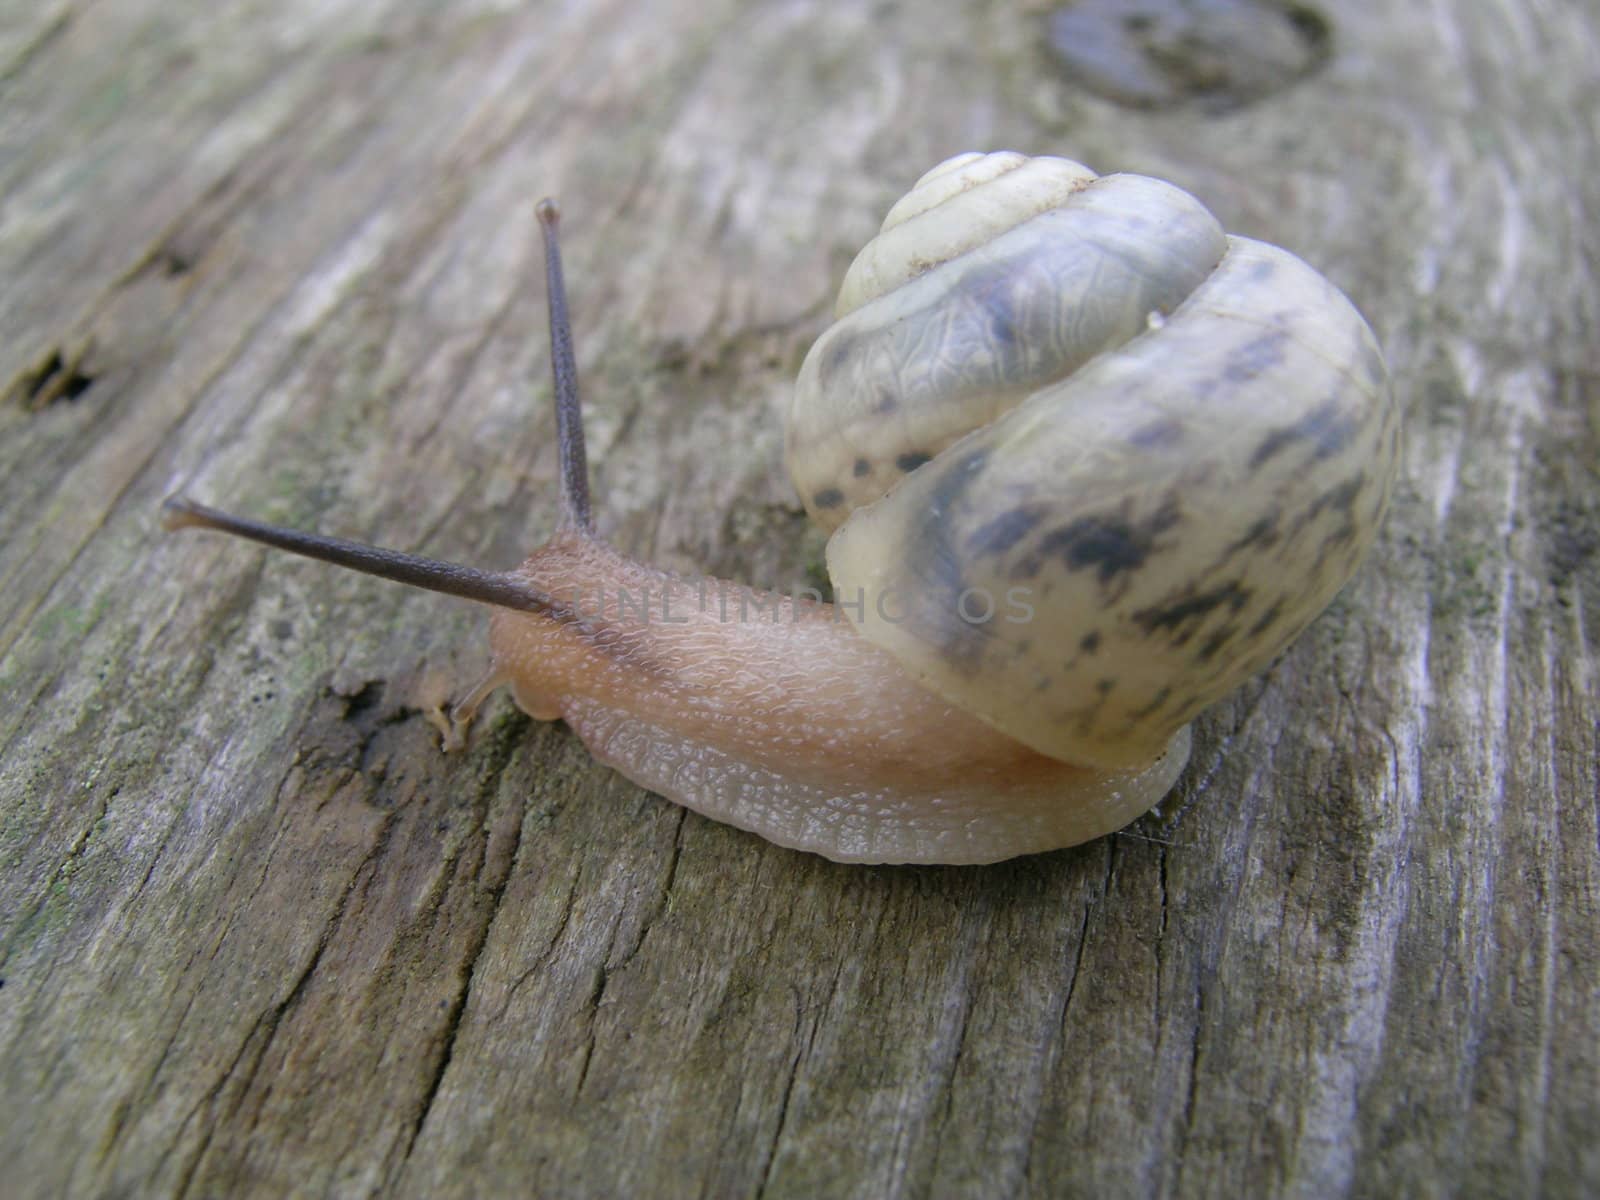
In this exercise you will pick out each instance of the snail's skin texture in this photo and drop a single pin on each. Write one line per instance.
(775, 716)
(1182, 445)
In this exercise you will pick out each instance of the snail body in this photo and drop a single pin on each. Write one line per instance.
(1089, 463)
(773, 714)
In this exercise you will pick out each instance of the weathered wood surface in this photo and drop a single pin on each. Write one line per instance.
(258, 934)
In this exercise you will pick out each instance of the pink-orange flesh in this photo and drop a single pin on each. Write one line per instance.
(775, 716)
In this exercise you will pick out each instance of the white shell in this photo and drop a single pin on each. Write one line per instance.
(1095, 464)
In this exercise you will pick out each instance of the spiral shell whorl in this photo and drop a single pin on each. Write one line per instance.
(1174, 445)
(999, 287)
(957, 206)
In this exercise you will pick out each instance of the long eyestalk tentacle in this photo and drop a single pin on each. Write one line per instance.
(564, 370)
(487, 587)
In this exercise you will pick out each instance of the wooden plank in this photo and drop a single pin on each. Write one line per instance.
(257, 934)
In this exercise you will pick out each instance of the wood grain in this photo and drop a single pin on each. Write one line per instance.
(258, 936)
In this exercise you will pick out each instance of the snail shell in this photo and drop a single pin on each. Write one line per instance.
(1177, 445)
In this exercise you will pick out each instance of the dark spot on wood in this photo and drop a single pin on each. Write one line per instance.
(1158, 435)
(1104, 686)
(55, 377)
(362, 698)
(1090, 642)
(1213, 55)
(173, 262)
(911, 460)
(828, 498)
(861, 468)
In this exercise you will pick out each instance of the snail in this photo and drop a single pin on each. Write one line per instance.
(1088, 463)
